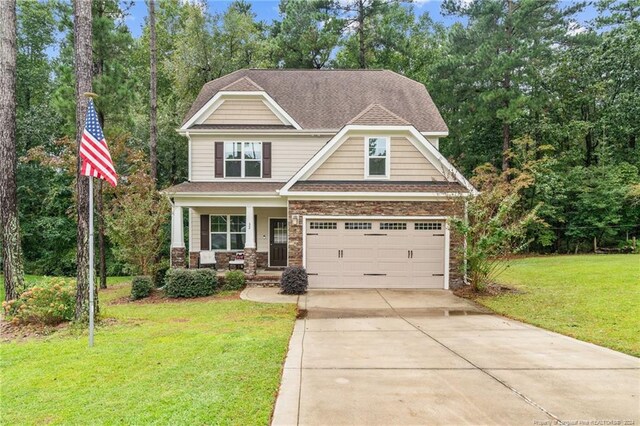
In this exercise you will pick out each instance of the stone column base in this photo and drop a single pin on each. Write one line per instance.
(178, 256)
(250, 262)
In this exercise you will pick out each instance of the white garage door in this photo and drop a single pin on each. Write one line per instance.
(359, 253)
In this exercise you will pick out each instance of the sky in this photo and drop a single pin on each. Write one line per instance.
(267, 10)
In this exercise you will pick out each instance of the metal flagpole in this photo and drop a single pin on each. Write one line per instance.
(91, 295)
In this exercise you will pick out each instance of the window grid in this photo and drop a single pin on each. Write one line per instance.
(243, 159)
(377, 160)
(427, 226)
(357, 225)
(227, 232)
(393, 226)
(323, 225)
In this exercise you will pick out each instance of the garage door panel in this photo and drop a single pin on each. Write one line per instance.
(350, 257)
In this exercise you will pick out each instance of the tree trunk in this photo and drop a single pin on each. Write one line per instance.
(362, 61)
(101, 243)
(153, 111)
(506, 85)
(83, 57)
(11, 248)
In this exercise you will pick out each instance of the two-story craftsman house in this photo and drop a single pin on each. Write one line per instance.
(335, 170)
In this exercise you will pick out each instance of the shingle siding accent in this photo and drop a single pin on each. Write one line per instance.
(376, 208)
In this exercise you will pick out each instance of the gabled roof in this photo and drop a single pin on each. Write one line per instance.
(377, 115)
(419, 141)
(244, 84)
(328, 99)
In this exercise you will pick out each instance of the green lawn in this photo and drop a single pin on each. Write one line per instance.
(595, 298)
(215, 361)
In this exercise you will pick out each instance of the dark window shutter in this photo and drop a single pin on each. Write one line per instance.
(204, 232)
(219, 163)
(266, 159)
(255, 229)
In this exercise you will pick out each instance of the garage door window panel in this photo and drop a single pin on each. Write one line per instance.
(393, 226)
(323, 225)
(357, 225)
(427, 226)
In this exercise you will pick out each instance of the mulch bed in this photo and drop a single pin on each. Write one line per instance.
(492, 290)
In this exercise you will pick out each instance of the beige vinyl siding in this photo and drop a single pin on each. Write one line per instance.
(243, 111)
(288, 154)
(407, 163)
(202, 159)
(262, 224)
(346, 163)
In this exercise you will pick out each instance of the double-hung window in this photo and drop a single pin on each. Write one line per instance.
(243, 159)
(377, 157)
(227, 232)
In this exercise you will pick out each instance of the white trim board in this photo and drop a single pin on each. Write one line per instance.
(219, 98)
(418, 140)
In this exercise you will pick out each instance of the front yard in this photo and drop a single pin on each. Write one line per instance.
(595, 298)
(216, 360)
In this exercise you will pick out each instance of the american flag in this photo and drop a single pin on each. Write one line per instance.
(96, 160)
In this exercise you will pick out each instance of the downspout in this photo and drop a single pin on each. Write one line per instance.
(189, 154)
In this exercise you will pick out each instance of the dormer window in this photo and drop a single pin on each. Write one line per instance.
(243, 159)
(377, 157)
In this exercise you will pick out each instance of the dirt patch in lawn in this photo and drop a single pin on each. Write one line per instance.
(492, 290)
(159, 297)
(11, 332)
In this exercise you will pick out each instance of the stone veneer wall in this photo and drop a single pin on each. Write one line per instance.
(376, 208)
(223, 257)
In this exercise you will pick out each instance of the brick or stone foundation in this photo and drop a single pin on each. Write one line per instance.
(376, 208)
(178, 257)
(250, 262)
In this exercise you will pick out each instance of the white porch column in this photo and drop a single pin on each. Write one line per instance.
(250, 233)
(177, 227)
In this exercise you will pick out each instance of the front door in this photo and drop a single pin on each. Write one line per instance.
(278, 242)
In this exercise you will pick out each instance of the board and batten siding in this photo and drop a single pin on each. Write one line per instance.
(243, 111)
(288, 154)
(407, 163)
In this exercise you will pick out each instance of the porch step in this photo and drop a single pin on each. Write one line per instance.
(264, 281)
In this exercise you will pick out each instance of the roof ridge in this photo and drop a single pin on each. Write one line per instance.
(371, 107)
(251, 82)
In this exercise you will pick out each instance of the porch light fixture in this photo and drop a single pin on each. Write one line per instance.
(295, 219)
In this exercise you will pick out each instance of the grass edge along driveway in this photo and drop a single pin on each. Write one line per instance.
(214, 361)
(595, 298)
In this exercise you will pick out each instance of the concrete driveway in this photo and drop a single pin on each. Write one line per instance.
(394, 357)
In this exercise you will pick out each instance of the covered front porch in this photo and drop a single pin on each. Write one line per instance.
(228, 233)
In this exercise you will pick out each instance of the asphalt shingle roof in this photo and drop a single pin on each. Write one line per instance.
(329, 99)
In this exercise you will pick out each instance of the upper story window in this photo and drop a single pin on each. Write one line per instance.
(243, 159)
(377, 157)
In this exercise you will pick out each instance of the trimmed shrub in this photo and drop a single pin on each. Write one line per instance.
(141, 287)
(294, 280)
(48, 302)
(190, 282)
(159, 273)
(234, 280)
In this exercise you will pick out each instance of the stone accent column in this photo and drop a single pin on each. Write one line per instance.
(178, 257)
(250, 262)
(178, 250)
(250, 259)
